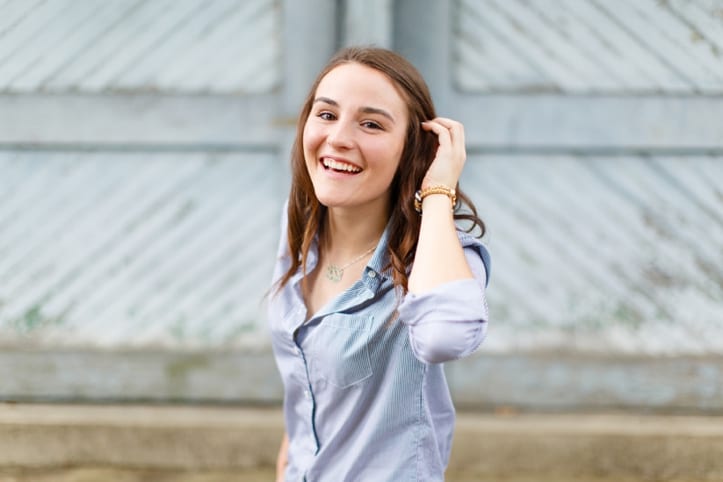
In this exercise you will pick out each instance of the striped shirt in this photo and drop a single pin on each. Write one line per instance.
(365, 396)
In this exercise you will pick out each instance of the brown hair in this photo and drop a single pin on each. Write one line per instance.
(306, 214)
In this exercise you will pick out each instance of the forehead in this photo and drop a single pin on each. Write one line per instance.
(361, 86)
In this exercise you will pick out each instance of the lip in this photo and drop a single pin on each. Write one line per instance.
(340, 160)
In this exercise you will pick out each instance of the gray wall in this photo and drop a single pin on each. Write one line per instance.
(143, 163)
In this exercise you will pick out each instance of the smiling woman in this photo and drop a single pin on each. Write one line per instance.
(370, 296)
(353, 139)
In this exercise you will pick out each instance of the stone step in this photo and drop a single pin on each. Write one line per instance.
(213, 439)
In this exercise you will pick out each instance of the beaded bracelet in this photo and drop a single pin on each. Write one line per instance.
(439, 189)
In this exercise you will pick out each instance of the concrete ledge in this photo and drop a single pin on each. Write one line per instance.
(641, 447)
(614, 446)
(164, 437)
(528, 381)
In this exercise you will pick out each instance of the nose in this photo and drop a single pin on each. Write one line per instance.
(340, 135)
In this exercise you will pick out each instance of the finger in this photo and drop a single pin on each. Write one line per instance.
(442, 132)
(447, 122)
(456, 130)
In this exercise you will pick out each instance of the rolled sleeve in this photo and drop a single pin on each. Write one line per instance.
(450, 321)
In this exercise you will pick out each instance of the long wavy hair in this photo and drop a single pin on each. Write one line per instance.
(306, 214)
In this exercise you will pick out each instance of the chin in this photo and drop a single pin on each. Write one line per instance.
(328, 200)
(332, 203)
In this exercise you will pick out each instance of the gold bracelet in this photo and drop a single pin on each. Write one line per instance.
(438, 189)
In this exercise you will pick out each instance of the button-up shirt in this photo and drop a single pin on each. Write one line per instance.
(365, 396)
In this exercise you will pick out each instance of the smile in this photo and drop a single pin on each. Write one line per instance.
(339, 166)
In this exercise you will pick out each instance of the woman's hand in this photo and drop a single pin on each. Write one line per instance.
(283, 458)
(438, 232)
(451, 154)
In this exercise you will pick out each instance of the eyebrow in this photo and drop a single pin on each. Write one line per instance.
(366, 110)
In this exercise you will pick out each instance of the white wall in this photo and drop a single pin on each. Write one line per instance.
(143, 163)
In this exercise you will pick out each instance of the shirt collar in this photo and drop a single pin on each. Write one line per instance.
(380, 258)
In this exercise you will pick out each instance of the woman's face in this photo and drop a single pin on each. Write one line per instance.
(354, 137)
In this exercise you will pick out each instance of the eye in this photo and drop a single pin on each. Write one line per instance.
(371, 125)
(325, 115)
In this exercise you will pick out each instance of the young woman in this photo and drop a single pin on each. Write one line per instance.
(375, 285)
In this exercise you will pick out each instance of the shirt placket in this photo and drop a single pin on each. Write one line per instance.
(308, 394)
(370, 283)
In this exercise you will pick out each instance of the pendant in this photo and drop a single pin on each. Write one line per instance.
(334, 273)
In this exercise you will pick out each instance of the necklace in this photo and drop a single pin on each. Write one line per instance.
(334, 273)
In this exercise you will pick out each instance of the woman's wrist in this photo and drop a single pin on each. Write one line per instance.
(434, 191)
(437, 202)
(428, 182)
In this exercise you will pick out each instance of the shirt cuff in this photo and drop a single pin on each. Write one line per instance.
(447, 322)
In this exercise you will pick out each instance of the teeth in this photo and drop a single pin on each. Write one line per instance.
(339, 166)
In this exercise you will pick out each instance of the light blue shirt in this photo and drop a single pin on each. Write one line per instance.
(365, 396)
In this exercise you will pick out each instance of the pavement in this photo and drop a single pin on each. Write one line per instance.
(158, 443)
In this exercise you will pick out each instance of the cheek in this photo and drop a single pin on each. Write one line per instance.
(311, 138)
(394, 157)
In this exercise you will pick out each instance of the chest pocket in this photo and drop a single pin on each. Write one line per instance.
(340, 349)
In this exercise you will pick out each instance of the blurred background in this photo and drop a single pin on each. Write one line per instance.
(144, 162)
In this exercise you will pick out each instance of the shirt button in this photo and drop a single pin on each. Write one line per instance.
(297, 350)
(307, 394)
(371, 274)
